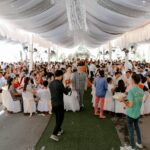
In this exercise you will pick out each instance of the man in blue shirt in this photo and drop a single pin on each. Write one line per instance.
(101, 89)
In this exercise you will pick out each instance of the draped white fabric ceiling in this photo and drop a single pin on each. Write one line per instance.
(106, 19)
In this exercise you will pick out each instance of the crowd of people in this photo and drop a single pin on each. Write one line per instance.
(78, 75)
(34, 85)
(61, 86)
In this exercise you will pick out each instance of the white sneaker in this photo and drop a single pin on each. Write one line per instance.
(139, 145)
(54, 137)
(60, 132)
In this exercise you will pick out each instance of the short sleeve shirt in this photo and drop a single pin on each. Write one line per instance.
(136, 96)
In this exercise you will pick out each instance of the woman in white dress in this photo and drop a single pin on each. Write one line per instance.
(71, 103)
(28, 99)
(119, 106)
(146, 99)
(109, 102)
(44, 104)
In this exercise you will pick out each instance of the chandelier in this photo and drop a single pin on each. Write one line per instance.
(76, 13)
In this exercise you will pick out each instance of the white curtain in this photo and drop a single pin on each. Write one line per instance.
(106, 20)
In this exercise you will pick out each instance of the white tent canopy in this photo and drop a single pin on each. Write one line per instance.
(106, 20)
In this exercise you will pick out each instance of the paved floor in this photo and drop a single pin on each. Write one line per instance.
(144, 125)
(19, 132)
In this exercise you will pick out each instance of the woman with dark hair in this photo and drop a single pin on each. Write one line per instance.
(28, 99)
(121, 87)
(70, 101)
(44, 104)
(16, 82)
(101, 89)
(10, 81)
(26, 82)
(15, 95)
(109, 103)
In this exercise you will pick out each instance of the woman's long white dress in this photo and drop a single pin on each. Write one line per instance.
(44, 104)
(28, 101)
(109, 101)
(71, 102)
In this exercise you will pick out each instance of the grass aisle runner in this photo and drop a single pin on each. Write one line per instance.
(83, 131)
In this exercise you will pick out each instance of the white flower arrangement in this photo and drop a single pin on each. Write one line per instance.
(120, 96)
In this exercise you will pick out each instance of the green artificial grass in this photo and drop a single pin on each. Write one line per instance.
(82, 131)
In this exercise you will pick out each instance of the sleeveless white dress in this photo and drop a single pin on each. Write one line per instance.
(71, 102)
(44, 104)
(109, 101)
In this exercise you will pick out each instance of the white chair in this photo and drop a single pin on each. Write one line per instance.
(28, 102)
(9, 103)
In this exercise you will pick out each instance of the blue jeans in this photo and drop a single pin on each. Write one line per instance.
(131, 124)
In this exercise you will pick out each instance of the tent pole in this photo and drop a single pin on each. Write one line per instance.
(110, 52)
(103, 55)
(126, 61)
(31, 54)
(48, 56)
(30, 57)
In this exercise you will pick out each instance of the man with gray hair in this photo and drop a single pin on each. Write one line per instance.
(79, 79)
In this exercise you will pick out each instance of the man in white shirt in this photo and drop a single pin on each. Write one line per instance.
(127, 78)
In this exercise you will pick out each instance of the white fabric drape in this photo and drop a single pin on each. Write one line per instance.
(106, 20)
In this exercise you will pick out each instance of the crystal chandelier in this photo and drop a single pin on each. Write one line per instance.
(76, 13)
